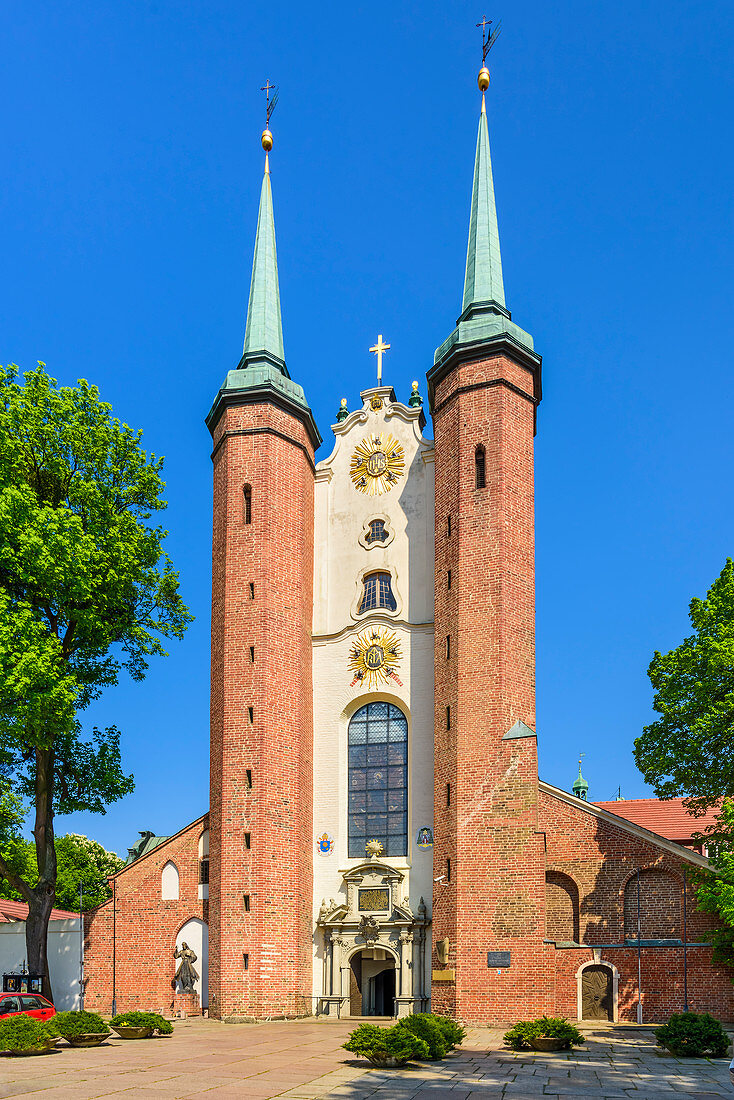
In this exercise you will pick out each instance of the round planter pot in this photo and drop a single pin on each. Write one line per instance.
(133, 1032)
(88, 1039)
(42, 1048)
(546, 1043)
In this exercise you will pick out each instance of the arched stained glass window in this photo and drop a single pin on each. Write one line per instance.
(378, 779)
(377, 593)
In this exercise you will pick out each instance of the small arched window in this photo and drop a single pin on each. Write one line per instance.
(247, 495)
(377, 593)
(204, 858)
(169, 882)
(480, 471)
(377, 532)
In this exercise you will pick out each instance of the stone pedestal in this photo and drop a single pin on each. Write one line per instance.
(186, 1004)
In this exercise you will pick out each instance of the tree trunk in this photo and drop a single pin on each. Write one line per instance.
(44, 893)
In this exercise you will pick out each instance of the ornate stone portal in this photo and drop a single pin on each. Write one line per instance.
(376, 923)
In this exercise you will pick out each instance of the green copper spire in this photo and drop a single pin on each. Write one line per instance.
(581, 787)
(483, 278)
(264, 330)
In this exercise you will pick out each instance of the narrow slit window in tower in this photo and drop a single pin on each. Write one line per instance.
(252, 590)
(480, 468)
(448, 526)
(448, 579)
(251, 714)
(247, 494)
(252, 655)
(448, 794)
(448, 870)
(245, 961)
(248, 838)
(246, 900)
(448, 718)
(248, 773)
(448, 646)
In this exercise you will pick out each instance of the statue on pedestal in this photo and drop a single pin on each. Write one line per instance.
(186, 975)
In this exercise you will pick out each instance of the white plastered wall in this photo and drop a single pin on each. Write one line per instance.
(63, 957)
(341, 559)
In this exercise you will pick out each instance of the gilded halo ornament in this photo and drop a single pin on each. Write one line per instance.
(373, 658)
(377, 464)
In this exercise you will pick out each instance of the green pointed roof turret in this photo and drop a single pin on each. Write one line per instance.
(580, 787)
(485, 323)
(264, 329)
(483, 281)
(261, 373)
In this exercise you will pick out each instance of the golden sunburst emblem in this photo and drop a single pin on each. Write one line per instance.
(373, 658)
(377, 464)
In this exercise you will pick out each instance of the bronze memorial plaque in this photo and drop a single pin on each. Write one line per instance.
(374, 899)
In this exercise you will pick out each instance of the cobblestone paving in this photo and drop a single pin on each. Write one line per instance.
(303, 1060)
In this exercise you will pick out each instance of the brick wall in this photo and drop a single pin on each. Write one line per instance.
(261, 715)
(145, 928)
(561, 907)
(495, 898)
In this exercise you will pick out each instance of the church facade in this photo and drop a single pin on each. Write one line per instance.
(378, 840)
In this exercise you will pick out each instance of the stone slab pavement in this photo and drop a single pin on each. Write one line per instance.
(303, 1060)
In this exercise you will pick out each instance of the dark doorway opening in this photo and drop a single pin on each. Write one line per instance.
(597, 993)
(371, 985)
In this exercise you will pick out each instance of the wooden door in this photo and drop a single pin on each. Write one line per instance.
(597, 998)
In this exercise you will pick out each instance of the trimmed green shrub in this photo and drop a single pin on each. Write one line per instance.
(553, 1027)
(427, 1028)
(23, 1032)
(77, 1023)
(378, 1044)
(143, 1019)
(687, 1034)
(453, 1033)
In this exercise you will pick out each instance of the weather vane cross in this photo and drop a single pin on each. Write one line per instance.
(379, 348)
(269, 102)
(489, 37)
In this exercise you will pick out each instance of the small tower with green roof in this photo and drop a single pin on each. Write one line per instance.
(580, 787)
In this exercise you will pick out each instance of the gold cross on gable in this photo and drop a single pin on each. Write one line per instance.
(379, 348)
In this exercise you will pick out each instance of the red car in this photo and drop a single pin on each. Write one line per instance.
(32, 1004)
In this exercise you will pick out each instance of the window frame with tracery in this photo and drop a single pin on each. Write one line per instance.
(377, 779)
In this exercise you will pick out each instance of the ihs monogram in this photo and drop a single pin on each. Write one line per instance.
(377, 464)
(374, 657)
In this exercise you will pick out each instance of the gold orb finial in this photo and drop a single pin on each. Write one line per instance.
(267, 140)
(483, 78)
(415, 387)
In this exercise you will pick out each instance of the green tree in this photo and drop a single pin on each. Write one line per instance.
(715, 888)
(18, 853)
(78, 859)
(689, 750)
(85, 591)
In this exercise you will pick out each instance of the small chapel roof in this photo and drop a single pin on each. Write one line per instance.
(666, 817)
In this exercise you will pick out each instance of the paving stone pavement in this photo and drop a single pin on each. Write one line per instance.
(303, 1060)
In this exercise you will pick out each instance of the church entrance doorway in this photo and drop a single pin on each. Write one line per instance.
(597, 995)
(372, 983)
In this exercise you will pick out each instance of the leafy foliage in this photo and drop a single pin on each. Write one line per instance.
(453, 1033)
(86, 590)
(715, 887)
(23, 1032)
(77, 1023)
(427, 1028)
(143, 1019)
(377, 1044)
(18, 853)
(521, 1035)
(689, 1035)
(689, 750)
(78, 859)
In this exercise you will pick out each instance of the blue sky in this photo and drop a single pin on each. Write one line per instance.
(128, 210)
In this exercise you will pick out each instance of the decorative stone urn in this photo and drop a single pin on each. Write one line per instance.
(547, 1043)
(88, 1039)
(133, 1032)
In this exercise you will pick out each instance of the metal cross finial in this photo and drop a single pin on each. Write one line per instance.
(379, 348)
(269, 102)
(488, 37)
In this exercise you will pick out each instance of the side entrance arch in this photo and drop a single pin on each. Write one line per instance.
(195, 933)
(598, 988)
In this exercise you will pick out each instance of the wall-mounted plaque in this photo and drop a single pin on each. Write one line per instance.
(498, 959)
(374, 899)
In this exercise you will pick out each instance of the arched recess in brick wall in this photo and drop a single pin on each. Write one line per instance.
(195, 933)
(660, 905)
(169, 882)
(561, 907)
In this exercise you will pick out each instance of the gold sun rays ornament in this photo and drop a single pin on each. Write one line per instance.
(377, 464)
(373, 658)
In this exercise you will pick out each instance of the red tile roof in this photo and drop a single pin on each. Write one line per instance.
(668, 818)
(18, 910)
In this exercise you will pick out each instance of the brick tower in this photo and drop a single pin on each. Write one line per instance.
(261, 870)
(489, 858)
